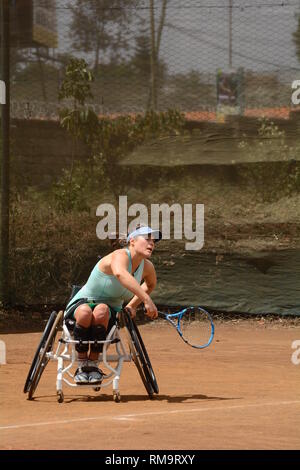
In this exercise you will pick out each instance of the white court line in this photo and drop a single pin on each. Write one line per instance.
(150, 413)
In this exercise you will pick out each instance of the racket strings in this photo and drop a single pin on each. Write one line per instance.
(195, 327)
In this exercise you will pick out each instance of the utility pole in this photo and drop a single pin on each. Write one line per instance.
(153, 59)
(5, 125)
(230, 33)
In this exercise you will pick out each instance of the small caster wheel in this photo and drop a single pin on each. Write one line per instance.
(97, 389)
(117, 397)
(60, 396)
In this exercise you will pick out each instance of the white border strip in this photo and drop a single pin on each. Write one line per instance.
(150, 413)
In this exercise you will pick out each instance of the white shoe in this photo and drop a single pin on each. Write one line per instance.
(95, 374)
(81, 375)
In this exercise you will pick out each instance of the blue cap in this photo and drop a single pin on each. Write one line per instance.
(145, 231)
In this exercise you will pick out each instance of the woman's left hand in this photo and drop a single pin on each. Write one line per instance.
(132, 311)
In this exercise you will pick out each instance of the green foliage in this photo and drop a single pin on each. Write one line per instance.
(120, 135)
(271, 169)
(81, 123)
(77, 82)
(154, 124)
(70, 191)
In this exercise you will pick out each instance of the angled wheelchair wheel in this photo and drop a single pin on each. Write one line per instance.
(147, 359)
(42, 359)
(39, 350)
(140, 355)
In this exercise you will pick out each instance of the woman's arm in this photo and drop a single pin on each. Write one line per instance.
(119, 266)
(150, 280)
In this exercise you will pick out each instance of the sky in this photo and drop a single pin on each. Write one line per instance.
(196, 34)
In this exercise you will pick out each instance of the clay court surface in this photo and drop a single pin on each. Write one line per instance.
(243, 392)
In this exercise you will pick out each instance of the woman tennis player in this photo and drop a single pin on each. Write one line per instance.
(115, 279)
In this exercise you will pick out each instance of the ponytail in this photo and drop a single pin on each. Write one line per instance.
(119, 240)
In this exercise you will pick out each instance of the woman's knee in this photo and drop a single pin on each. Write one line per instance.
(83, 315)
(101, 315)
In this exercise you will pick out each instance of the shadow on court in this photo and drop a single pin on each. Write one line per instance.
(134, 398)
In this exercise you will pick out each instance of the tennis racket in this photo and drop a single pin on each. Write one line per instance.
(193, 324)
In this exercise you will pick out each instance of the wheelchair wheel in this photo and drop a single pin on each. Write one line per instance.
(147, 359)
(140, 355)
(43, 359)
(117, 397)
(38, 351)
(60, 396)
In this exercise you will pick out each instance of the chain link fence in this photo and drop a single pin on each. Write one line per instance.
(204, 58)
(159, 54)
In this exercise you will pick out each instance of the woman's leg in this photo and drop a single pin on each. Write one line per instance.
(83, 316)
(99, 323)
(90, 325)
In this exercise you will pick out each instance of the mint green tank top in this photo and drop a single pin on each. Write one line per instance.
(106, 288)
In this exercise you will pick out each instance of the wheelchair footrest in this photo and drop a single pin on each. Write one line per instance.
(110, 341)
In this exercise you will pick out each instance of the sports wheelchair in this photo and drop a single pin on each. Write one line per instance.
(63, 351)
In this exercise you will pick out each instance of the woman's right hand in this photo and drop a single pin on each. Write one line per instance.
(151, 310)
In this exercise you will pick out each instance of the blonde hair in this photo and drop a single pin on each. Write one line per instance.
(119, 240)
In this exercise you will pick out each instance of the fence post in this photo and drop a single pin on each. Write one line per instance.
(5, 118)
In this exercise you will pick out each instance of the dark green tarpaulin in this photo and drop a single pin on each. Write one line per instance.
(267, 283)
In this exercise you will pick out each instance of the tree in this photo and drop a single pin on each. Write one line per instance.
(141, 64)
(98, 26)
(141, 58)
(155, 45)
(82, 123)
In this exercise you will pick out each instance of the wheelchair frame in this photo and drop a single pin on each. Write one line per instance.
(65, 351)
